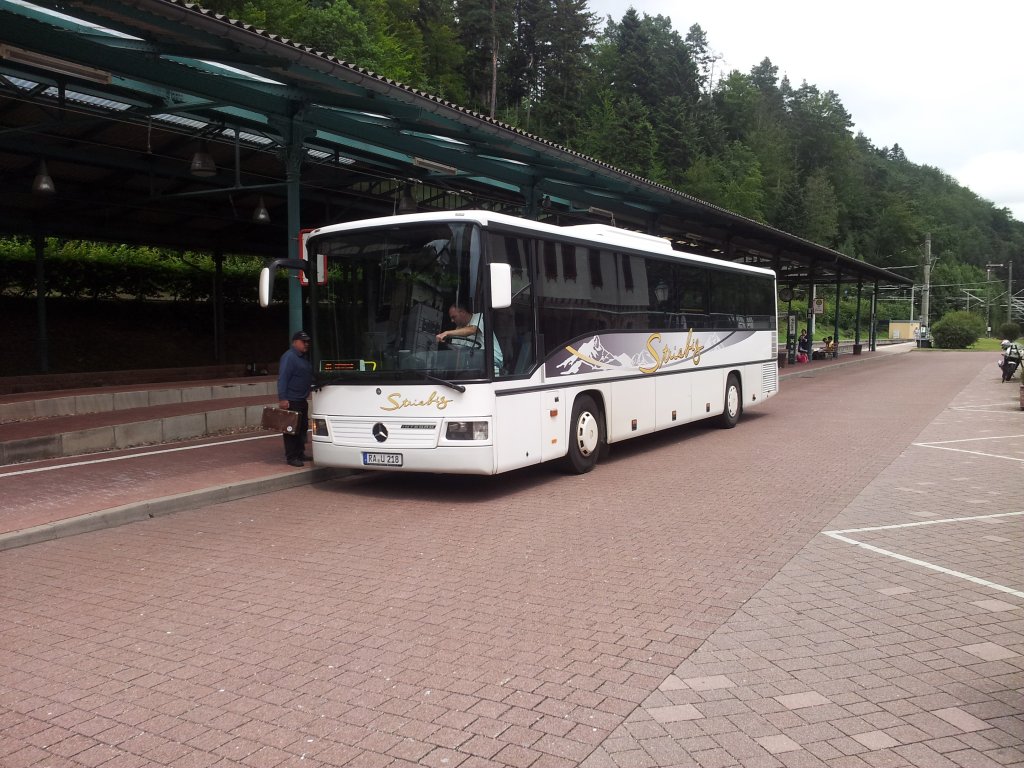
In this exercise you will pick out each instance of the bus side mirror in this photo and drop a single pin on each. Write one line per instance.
(266, 283)
(501, 286)
(268, 272)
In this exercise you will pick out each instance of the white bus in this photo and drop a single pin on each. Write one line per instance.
(578, 337)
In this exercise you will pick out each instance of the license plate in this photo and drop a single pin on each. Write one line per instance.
(382, 459)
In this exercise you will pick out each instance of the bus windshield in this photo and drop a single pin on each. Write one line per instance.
(390, 292)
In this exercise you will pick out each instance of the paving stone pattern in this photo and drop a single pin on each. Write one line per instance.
(678, 606)
(39, 496)
(851, 658)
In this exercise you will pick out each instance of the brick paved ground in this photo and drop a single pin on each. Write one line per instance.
(849, 657)
(678, 606)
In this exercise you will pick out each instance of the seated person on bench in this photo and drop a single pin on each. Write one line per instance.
(826, 351)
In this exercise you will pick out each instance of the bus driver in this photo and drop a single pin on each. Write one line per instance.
(468, 332)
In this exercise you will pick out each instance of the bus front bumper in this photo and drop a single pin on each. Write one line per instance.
(457, 460)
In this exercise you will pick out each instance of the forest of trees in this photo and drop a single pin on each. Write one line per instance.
(639, 95)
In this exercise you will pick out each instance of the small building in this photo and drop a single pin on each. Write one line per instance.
(904, 330)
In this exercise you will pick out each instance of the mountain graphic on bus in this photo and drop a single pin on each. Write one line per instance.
(656, 351)
(619, 352)
(596, 356)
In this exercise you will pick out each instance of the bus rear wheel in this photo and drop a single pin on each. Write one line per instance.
(586, 436)
(733, 402)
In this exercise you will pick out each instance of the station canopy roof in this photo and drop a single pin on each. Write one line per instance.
(165, 124)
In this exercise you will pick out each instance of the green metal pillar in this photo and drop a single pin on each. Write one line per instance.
(532, 202)
(874, 317)
(218, 306)
(835, 325)
(293, 153)
(43, 342)
(856, 321)
(810, 306)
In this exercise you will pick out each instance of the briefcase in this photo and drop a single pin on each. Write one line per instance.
(280, 420)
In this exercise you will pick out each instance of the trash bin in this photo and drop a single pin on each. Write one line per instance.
(857, 348)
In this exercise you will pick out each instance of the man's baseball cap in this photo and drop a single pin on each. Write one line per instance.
(301, 336)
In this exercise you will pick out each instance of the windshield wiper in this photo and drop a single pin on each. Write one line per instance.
(327, 382)
(320, 383)
(444, 382)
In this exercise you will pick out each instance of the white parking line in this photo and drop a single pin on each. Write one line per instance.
(942, 445)
(973, 453)
(970, 439)
(838, 535)
(132, 456)
(1000, 407)
(1000, 411)
(928, 522)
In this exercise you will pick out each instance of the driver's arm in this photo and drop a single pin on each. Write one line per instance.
(466, 330)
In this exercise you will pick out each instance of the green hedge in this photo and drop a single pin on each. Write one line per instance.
(958, 330)
(81, 270)
(1008, 330)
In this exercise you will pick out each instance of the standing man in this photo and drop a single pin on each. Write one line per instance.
(294, 379)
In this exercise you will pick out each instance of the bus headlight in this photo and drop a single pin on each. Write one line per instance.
(320, 427)
(466, 430)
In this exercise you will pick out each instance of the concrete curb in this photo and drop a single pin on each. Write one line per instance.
(144, 510)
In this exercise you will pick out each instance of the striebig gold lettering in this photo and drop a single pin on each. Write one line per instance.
(397, 402)
(664, 354)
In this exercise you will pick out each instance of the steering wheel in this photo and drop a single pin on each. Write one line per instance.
(464, 341)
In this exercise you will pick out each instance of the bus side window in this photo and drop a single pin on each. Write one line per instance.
(514, 325)
(749, 297)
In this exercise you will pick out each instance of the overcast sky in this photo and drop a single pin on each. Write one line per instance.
(943, 80)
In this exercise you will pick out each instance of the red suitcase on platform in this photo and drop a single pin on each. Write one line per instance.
(280, 420)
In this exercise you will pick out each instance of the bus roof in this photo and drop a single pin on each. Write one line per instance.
(597, 234)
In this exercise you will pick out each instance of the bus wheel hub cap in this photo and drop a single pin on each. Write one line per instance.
(586, 433)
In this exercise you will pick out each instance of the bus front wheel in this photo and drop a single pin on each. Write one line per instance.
(733, 402)
(586, 436)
